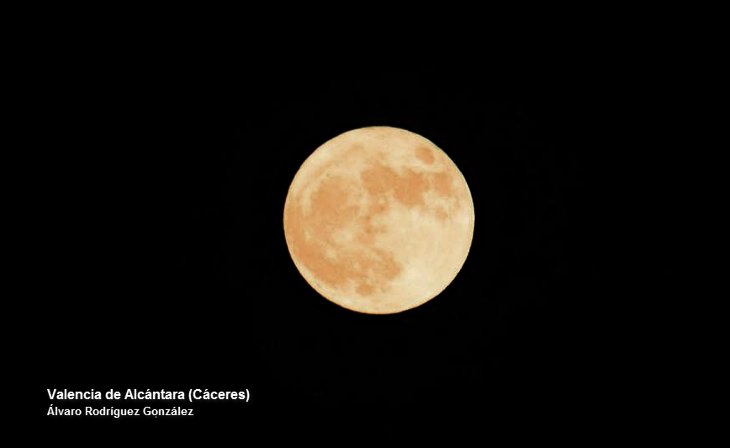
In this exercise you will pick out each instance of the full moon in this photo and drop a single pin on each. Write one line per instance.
(379, 220)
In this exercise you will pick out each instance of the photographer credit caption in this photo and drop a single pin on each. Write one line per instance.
(191, 396)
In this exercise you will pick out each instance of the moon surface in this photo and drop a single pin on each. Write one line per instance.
(379, 220)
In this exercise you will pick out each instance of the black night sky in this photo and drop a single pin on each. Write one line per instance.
(170, 268)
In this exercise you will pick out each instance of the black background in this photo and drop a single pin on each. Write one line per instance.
(170, 269)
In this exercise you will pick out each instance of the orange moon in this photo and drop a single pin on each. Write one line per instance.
(379, 220)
